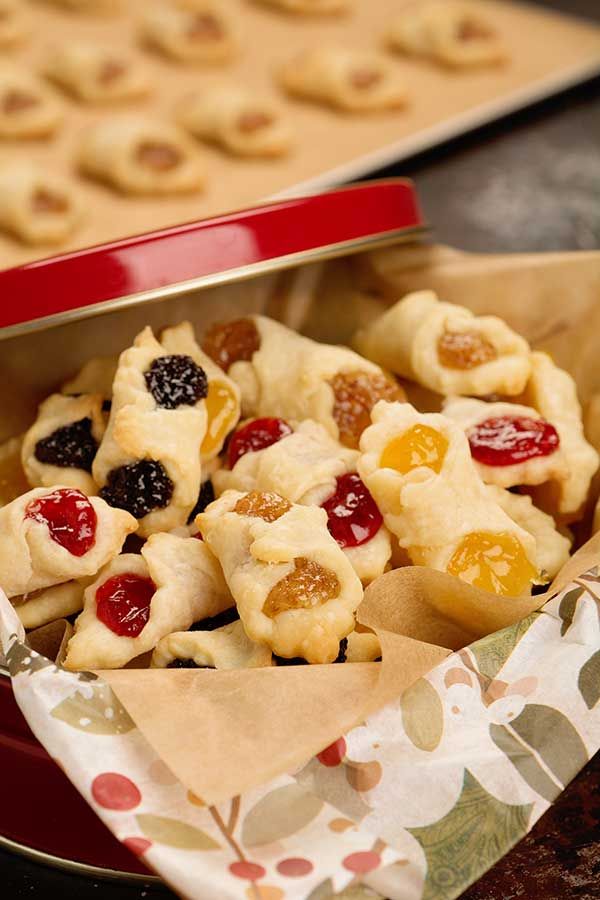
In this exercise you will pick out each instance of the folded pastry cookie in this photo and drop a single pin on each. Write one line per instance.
(281, 373)
(310, 7)
(349, 80)
(95, 377)
(454, 33)
(149, 461)
(137, 600)
(294, 589)
(510, 444)
(223, 397)
(446, 348)
(95, 74)
(304, 464)
(553, 393)
(14, 22)
(363, 646)
(37, 206)
(228, 647)
(552, 549)
(61, 444)
(48, 537)
(236, 119)
(418, 468)
(28, 109)
(58, 602)
(139, 155)
(190, 31)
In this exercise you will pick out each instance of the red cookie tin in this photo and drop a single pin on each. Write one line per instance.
(42, 815)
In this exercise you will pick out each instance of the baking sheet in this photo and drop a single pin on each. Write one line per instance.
(548, 53)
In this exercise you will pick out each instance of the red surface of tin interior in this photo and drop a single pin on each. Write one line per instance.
(41, 809)
(256, 237)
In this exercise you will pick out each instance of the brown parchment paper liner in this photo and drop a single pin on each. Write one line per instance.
(222, 733)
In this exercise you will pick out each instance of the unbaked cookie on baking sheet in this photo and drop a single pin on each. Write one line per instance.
(95, 74)
(139, 155)
(350, 80)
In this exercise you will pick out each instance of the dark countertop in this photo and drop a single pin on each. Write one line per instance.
(530, 182)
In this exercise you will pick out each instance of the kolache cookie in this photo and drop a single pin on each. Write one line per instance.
(14, 22)
(228, 647)
(553, 393)
(222, 401)
(295, 590)
(511, 444)
(50, 536)
(310, 7)
(28, 108)
(552, 547)
(281, 373)
(446, 348)
(190, 31)
(37, 206)
(454, 33)
(418, 468)
(149, 459)
(96, 376)
(143, 156)
(42, 607)
(93, 73)
(305, 465)
(61, 444)
(358, 81)
(237, 120)
(138, 599)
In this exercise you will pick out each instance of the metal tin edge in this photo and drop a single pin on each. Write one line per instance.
(317, 254)
(77, 868)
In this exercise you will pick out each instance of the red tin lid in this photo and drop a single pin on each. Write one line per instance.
(231, 247)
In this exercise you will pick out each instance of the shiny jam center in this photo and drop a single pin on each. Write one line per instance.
(70, 518)
(263, 505)
(123, 603)
(352, 515)
(494, 562)
(507, 440)
(419, 446)
(465, 350)
(230, 342)
(355, 395)
(256, 435)
(221, 409)
(308, 586)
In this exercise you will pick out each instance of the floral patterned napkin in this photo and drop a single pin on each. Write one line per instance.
(416, 803)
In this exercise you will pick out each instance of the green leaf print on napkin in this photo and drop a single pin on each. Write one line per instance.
(567, 608)
(175, 833)
(589, 681)
(422, 715)
(544, 747)
(492, 652)
(99, 713)
(477, 831)
(278, 815)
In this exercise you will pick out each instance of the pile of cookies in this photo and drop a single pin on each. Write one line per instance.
(223, 503)
(140, 155)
